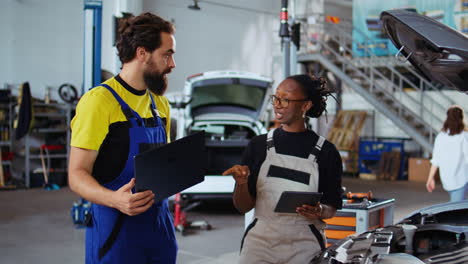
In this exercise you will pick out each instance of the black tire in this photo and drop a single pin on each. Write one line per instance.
(68, 93)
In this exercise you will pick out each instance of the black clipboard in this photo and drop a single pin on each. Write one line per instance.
(290, 200)
(173, 167)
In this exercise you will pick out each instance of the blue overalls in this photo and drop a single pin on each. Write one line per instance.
(145, 238)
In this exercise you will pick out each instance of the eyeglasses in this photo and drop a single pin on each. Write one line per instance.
(283, 102)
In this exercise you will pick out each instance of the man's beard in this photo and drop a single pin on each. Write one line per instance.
(155, 81)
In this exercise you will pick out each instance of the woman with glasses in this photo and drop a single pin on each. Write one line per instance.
(289, 158)
(450, 156)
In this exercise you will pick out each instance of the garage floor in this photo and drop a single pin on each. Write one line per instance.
(35, 225)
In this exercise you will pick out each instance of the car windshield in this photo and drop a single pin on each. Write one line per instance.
(244, 95)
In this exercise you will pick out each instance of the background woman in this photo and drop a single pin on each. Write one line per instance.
(450, 156)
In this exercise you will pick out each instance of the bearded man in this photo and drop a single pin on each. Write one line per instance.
(114, 122)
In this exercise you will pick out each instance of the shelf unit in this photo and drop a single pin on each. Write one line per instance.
(6, 142)
(50, 127)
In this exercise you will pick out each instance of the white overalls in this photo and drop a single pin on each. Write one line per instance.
(283, 237)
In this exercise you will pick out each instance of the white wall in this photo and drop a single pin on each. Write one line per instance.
(6, 42)
(340, 8)
(43, 39)
(217, 37)
(110, 60)
(41, 43)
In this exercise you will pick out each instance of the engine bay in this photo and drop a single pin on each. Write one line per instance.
(225, 145)
(422, 238)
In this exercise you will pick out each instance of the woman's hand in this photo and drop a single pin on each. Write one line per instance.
(242, 198)
(239, 172)
(310, 211)
(430, 184)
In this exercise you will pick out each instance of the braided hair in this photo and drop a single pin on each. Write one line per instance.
(140, 31)
(315, 90)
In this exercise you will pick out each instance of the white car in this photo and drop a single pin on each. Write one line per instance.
(229, 106)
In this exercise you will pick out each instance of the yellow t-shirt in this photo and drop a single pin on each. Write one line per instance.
(98, 109)
(99, 124)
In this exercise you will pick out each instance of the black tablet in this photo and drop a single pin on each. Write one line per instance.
(173, 167)
(290, 200)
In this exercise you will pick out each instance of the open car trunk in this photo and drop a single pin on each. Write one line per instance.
(228, 106)
(225, 146)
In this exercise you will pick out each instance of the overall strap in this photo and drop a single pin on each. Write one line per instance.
(112, 237)
(129, 113)
(134, 118)
(269, 142)
(155, 112)
(318, 147)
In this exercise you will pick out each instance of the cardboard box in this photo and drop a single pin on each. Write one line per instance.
(367, 176)
(418, 169)
(349, 161)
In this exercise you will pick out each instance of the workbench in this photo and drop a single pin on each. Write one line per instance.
(357, 217)
(354, 218)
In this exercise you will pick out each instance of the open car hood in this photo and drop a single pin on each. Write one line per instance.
(439, 52)
(228, 93)
(447, 213)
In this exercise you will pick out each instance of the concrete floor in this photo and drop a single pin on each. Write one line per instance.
(36, 227)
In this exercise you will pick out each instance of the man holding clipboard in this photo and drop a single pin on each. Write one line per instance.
(114, 122)
(292, 177)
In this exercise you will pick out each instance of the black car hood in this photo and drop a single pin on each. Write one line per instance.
(447, 213)
(438, 237)
(439, 52)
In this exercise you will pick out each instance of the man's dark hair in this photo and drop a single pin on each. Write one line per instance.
(140, 31)
(454, 124)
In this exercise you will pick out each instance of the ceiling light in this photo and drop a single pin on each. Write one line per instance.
(194, 6)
